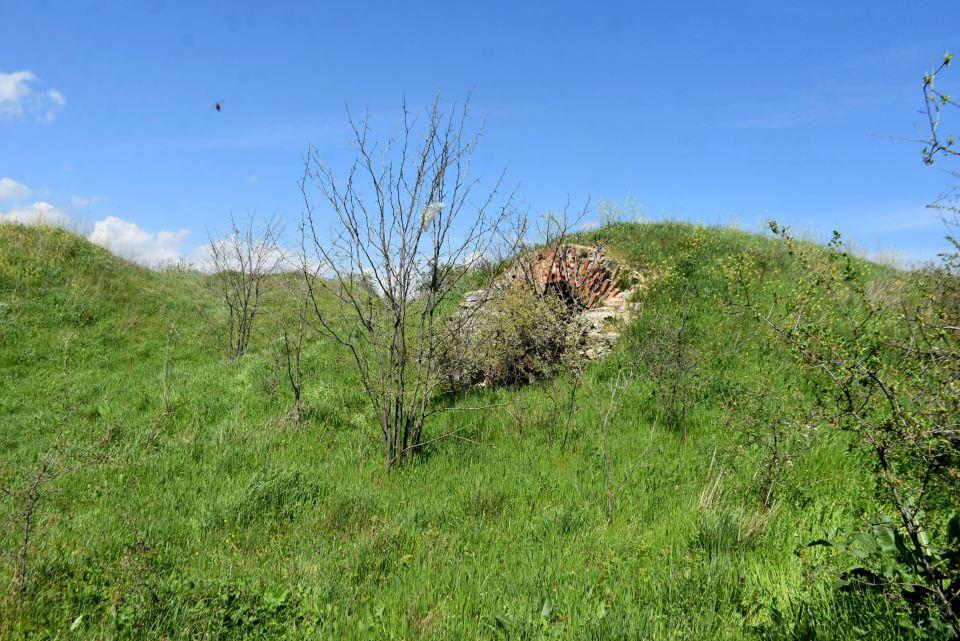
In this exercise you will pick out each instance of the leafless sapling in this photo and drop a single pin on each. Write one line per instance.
(408, 228)
(290, 351)
(241, 260)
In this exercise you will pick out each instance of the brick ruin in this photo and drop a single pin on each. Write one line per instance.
(597, 289)
(581, 275)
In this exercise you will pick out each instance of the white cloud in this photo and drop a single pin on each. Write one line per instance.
(57, 98)
(14, 91)
(79, 202)
(134, 243)
(120, 236)
(131, 241)
(39, 213)
(52, 102)
(10, 189)
(19, 99)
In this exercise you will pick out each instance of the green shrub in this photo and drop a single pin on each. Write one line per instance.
(519, 337)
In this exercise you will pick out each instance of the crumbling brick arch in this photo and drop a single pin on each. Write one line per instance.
(580, 275)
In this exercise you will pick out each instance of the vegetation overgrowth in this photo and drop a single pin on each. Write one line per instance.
(189, 499)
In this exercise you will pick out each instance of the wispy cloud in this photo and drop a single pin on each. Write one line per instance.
(269, 136)
(908, 221)
(10, 189)
(39, 213)
(817, 102)
(787, 119)
(79, 202)
(20, 99)
(895, 55)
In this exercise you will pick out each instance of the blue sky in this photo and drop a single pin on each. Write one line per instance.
(705, 111)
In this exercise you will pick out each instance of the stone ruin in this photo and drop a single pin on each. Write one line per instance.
(597, 290)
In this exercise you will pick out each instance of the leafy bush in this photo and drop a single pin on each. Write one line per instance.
(884, 355)
(886, 561)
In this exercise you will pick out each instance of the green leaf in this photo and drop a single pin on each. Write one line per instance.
(76, 623)
(862, 545)
(885, 538)
(547, 608)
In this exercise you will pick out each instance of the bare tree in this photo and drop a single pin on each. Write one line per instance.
(30, 497)
(409, 228)
(551, 234)
(241, 261)
(290, 352)
(563, 392)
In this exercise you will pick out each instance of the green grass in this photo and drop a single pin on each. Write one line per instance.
(225, 519)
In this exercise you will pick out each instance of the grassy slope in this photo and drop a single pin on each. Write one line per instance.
(224, 519)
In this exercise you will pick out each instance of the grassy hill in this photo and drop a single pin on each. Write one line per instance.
(224, 518)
